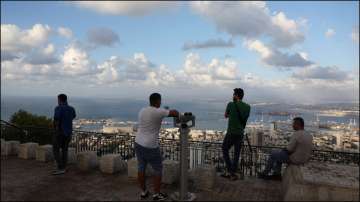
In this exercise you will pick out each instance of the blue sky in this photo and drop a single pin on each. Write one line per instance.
(158, 35)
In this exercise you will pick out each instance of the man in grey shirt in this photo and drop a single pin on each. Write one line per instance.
(297, 152)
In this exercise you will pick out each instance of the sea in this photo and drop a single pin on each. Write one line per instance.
(209, 113)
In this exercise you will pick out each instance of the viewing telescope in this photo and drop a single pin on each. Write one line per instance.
(182, 123)
(184, 119)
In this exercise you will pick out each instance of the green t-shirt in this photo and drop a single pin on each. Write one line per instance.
(236, 126)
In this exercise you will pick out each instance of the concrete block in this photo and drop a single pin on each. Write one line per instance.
(87, 160)
(132, 167)
(9, 148)
(170, 172)
(112, 163)
(203, 177)
(28, 150)
(71, 155)
(44, 153)
(3, 151)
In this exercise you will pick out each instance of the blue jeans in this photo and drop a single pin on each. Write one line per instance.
(148, 155)
(229, 141)
(275, 161)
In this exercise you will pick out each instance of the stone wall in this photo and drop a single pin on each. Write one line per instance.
(321, 181)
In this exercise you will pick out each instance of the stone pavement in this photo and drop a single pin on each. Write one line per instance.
(30, 180)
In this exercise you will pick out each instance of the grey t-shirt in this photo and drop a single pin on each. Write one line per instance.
(300, 147)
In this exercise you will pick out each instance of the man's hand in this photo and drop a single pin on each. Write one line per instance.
(173, 113)
(226, 115)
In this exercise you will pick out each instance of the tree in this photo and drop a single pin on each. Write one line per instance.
(31, 128)
(24, 118)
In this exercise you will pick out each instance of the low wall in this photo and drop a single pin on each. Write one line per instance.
(321, 182)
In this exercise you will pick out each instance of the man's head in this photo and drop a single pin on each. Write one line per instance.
(238, 94)
(298, 123)
(62, 99)
(155, 100)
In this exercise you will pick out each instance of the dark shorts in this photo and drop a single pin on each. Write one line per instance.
(148, 155)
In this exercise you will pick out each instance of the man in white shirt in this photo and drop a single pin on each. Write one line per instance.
(147, 144)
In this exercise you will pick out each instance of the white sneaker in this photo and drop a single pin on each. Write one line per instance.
(58, 172)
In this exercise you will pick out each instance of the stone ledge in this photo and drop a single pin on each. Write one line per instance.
(44, 153)
(28, 150)
(112, 163)
(321, 181)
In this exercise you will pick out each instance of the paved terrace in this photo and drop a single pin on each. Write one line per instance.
(30, 180)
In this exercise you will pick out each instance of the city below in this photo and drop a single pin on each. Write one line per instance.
(327, 136)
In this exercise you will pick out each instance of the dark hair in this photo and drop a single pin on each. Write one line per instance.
(299, 120)
(239, 92)
(155, 97)
(62, 97)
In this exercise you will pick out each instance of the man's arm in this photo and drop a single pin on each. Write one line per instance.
(56, 122)
(292, 144)
(173, 113)
(226, 114)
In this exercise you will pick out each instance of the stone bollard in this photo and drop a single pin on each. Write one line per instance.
(112, 163)
(171, 172)
(203, 177)
(44, 153)
(3, 151)
(28, 150)
(132, 166)
(71, 155)
(87, 160)
(10, 148)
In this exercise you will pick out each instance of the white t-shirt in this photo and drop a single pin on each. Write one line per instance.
(149, 124)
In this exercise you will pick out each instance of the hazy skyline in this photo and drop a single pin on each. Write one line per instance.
(300, 52)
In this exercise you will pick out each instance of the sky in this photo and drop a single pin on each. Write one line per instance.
(293, 52)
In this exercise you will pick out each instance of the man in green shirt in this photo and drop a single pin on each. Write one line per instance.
(238, 113)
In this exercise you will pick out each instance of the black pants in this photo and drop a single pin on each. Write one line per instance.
(61, 141)
(229, 141)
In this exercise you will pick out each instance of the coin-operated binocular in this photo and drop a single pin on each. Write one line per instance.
(183, 119)
(182, 122)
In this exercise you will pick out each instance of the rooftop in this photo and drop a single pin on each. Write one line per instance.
(30, 180)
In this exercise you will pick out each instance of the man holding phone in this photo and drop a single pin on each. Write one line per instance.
(238, 113)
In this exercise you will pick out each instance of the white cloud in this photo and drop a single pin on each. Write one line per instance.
(355, 34)
(65, 32)
(318, 72)
(329, 33)
(76, 61)
(250, 20)
(210, 43)
(14, 40)
(276, 58)
(102, 37)
(132, 8)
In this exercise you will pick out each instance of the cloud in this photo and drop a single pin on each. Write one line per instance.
(319, 72)
(138, 8)
(329, 33)
(65, 32)
(39, 56)
(252, 20)
(102, 37)
(276, 58)
(210, 43)
(355, 34)
(14, 40)
(76, 61)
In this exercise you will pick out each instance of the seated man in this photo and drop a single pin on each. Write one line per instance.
(297, 152)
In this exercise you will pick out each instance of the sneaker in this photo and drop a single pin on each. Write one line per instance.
(159, 197)
(144, 194)
(225, 174)
(58, 172)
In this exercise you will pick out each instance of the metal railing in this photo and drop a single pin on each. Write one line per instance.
(252, 160)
